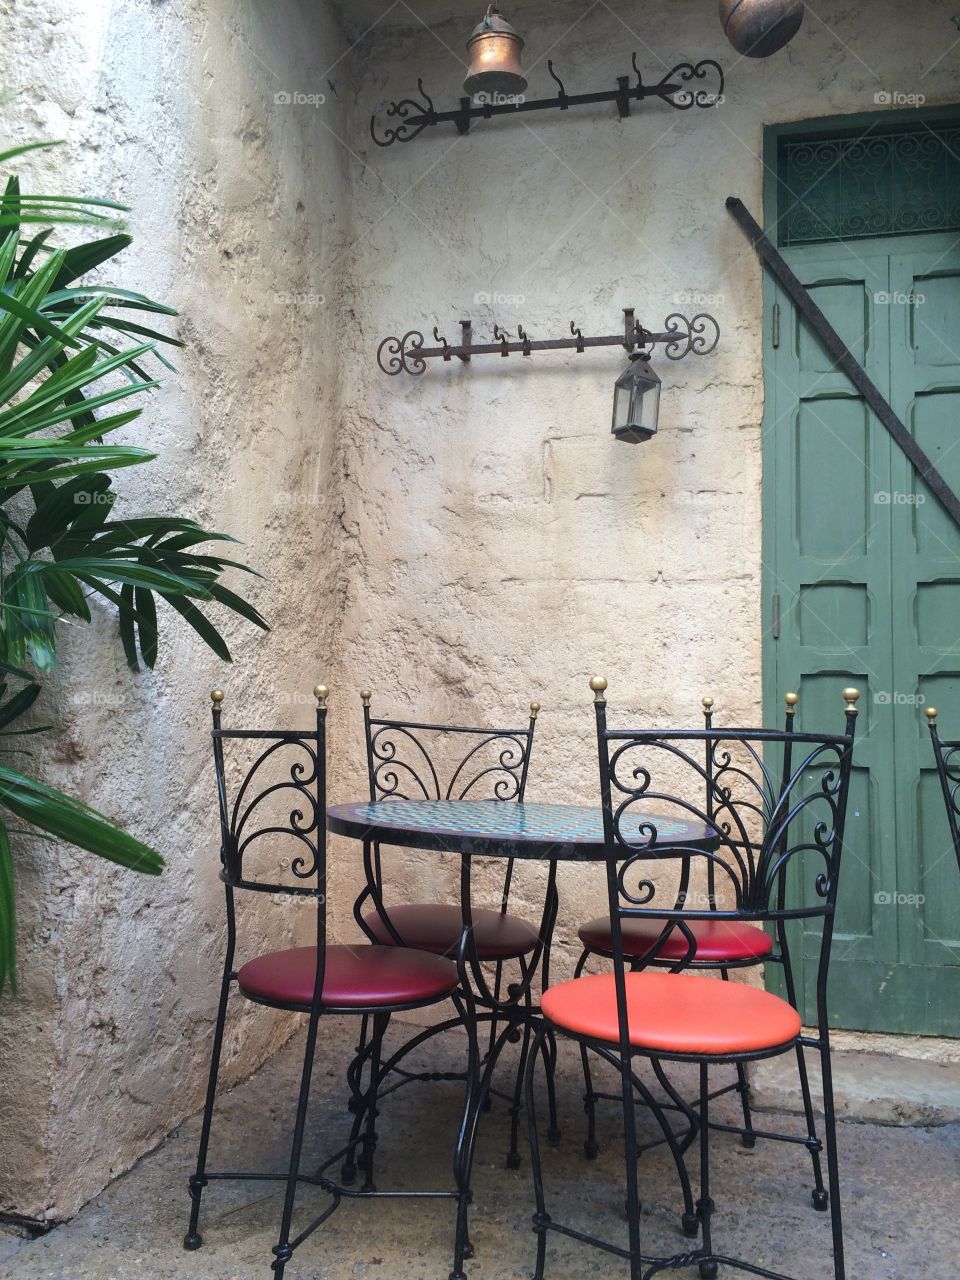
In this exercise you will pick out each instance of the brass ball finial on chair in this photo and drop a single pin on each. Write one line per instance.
(599, 686)
(851, 698)
(707, 704)
(321, 692)
(534, 710)
(216, 697)
(930, 713)
(365, 696)
(791, 699)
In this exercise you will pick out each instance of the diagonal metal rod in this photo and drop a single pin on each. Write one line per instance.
(836, 347)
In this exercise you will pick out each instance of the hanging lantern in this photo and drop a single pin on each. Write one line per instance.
(758, 28)
(494, 50)
(636, 401)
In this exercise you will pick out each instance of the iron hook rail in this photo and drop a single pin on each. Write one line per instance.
(680, 337)
(676, 89)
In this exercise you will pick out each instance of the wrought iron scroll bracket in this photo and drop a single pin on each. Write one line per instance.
(406, 119)
(680, 336)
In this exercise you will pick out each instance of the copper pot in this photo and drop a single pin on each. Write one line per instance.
(494, 50)
(757, 28)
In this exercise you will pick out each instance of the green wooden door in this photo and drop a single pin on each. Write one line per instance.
(862, 585)
(925, 382)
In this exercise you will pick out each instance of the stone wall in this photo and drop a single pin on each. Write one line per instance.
(238, 212)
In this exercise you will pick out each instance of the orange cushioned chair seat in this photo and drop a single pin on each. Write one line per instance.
(360, 977)
(436, 927)
(717, 940)
(674, 1013)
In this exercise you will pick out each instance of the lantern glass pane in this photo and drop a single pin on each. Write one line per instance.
(647, 406)
(622, 398)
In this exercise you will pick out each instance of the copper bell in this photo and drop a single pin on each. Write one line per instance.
(758, 28)
(494, 50)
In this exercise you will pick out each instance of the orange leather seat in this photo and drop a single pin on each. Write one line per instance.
(674, 1013)
(717, 940)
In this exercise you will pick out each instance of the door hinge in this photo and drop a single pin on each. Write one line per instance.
(775, 621)
(776, 325)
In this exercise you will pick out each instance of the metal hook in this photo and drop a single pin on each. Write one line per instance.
(501, 336)
(437, 337)
(426, 97)
(563, 93)
(524, 338)
(633, 60)
(578, 335)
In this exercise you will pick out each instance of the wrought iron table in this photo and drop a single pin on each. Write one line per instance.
(545, 832)
(548, 833)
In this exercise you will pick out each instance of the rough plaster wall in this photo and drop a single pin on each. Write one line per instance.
(237, 210)
(503, 546)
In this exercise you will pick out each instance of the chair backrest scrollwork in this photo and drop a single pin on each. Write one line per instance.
(772, 807)
(271, 788)
(409, 760)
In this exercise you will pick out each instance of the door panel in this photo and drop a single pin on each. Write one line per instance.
(867, 569)
(831, 551)
(925, 380)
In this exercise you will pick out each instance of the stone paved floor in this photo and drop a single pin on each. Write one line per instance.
(899, 1186)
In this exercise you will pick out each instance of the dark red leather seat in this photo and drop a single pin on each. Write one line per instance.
(717, 940)
(360, 977)
(675, 1013)
(436, 927)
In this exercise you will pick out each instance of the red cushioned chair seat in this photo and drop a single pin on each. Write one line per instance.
(679, 1013)
(717, 940)
(360, 977)
(436, 927)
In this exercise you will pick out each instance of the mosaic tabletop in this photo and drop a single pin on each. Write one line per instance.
(508, 829)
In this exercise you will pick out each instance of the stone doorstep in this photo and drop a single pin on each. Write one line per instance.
(876, 1088)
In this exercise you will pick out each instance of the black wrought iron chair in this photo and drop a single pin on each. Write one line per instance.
(947, 755)
(271, 788)
(422, 761)
(721, 946)
(777, 816)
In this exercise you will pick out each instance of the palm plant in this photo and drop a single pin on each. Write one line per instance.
(73, 357)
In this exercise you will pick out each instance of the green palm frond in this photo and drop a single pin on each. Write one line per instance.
(75, 359)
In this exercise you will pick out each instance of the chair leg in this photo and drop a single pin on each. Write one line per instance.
(466, 1139)
(282, 1250)
(380, 1023)
(494, 1026)
(821, 1199)
(541, 1218)
(348, 1171)
(356, 1066)
(689, 1222)
(708, 1267)
(193, 1239)
(549, 1051)
(590, 1147)
(833, 1168)
(632, 1157)
(513, 1156)
(749, 1138)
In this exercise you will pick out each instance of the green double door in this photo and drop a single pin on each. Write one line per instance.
(862, 586)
